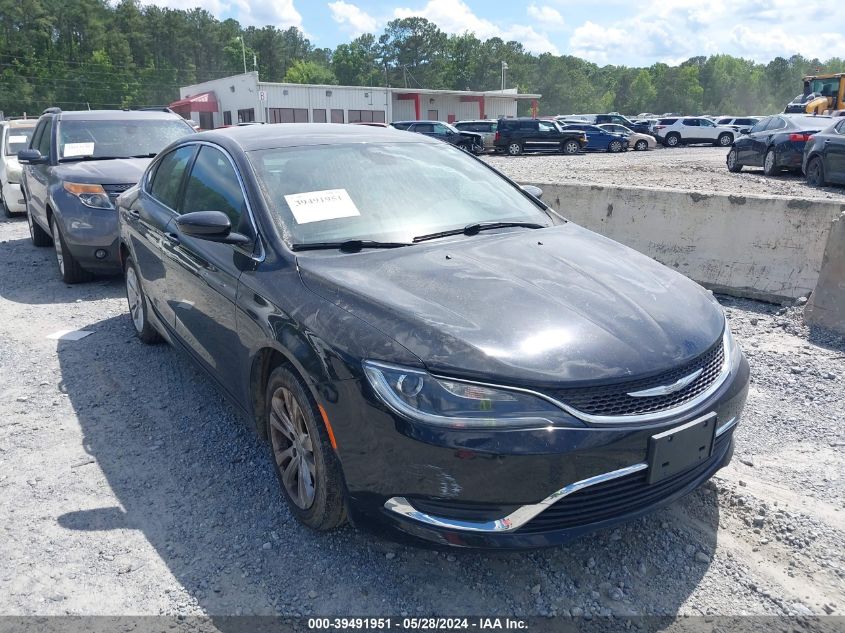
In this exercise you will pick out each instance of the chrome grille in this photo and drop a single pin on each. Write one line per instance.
(613, 400)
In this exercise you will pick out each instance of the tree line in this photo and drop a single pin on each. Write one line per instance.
(90, 53)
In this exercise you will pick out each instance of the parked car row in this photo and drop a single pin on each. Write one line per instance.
(810, 144)
(427, 347)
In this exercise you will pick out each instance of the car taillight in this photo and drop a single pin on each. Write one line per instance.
(659, 127)
(801, 137)
(496, 138)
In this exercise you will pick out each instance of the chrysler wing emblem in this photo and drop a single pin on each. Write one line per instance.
(665, 390)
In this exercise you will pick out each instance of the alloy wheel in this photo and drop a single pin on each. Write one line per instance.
(293, 448)
(672, 141)
(57, 243)
(135, 299)
(815, 173)
(641, 146)
(770, 162)
(514, 149)
(725, 140)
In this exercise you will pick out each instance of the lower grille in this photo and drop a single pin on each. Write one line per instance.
(618, 497)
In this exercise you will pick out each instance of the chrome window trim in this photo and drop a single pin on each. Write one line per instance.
(523, 514)
(260, 253)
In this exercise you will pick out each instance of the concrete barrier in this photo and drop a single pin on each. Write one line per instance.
(766, 248)
(826, 307)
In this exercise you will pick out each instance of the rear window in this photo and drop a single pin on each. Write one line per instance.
(810, 122)
(666, 121)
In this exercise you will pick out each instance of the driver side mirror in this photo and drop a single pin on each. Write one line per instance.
(533, 191)
(744, 130)
(213, 226)
(30, 157)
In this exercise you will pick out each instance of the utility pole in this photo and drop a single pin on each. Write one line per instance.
(504, 73)
(243, 51)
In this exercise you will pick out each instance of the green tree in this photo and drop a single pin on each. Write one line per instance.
(305, 72)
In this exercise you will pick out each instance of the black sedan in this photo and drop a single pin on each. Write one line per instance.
(775, 143)
(428, 348)
(824, 156)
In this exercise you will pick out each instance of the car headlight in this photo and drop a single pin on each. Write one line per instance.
(93, 196)
(416, 394)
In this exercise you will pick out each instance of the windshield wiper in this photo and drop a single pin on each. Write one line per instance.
(475, 228)
(150, 155)
(78, 158)
(348, 246)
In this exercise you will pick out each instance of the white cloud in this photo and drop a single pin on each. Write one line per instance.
(549, 17)
(454, 16)
(352, 18)
(279, 13)
(674, 30)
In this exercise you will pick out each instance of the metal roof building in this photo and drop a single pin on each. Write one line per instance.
(243, 98)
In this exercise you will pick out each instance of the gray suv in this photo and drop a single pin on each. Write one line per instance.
(76, 165)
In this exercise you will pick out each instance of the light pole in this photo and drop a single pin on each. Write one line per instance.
(504, 73)
(243, 51)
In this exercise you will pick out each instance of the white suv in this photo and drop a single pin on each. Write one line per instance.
(676, 131)
(14, 136)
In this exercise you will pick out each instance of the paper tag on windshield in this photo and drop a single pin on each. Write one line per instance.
(316, 206)
(78, 149)
(17, 139)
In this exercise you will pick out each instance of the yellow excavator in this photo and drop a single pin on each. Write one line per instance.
(823, 94)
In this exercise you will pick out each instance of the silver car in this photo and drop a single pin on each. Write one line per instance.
(486, 127)
(14, 136)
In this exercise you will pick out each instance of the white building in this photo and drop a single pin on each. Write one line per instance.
(243, 98)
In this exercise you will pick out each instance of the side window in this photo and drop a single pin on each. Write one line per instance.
(776, 123)
(213, 185)
(423, 128)
(546, 128)
(841, 127)
(167, 179)
(691, 122)
(36, 137)
(760, 126)
(440, 129)
(45, 142)
(706, 123)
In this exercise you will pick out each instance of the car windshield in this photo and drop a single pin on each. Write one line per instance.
(111, 138)
(17, 139)
(384, 191)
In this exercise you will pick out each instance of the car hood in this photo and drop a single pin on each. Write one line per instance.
(113, 171)
(526, 307)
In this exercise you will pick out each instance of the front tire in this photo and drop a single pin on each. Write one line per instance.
(815, 172)
(515, 149)
(571, 147)
(306, 465)
(614, 147)
(69, 269)
(770, 163)
(641, 146)
(725, 139)
(673, 140)
(137, 301)
(6, 210)
(732, 162)
(39, 236)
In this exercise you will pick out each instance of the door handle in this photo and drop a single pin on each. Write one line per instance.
(172, 238)
(134, 214)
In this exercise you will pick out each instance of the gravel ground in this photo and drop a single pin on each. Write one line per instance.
(128, 486)
(697, 168)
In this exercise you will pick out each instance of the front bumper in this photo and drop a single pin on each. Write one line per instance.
(397, 471)
(91, 235)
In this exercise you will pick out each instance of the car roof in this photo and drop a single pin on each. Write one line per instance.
(89, 115)
(419, 121)
(255, 137)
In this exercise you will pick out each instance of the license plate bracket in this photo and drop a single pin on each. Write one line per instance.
(678, 449)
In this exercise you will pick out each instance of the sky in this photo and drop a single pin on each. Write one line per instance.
(620, 32)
